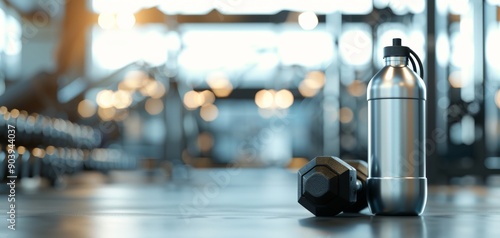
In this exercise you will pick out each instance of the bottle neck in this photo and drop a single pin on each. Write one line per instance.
(396, 61)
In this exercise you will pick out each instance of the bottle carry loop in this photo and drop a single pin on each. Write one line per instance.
(420, 66)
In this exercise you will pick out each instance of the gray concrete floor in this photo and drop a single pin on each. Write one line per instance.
(229, 203)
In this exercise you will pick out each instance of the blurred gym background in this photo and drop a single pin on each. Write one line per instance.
(171, 85)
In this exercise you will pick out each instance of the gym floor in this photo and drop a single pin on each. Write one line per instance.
(229, 203)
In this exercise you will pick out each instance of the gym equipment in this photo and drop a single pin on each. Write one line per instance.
(328, 186)
(53, 147)
(361, 168)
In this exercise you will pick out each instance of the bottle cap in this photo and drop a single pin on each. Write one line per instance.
(396, 49)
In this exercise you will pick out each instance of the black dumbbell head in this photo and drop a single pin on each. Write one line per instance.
(327, 185)
(361, 168)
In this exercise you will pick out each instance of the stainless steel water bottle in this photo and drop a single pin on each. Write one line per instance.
(397, 184)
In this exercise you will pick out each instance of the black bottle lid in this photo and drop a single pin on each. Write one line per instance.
(396, 49)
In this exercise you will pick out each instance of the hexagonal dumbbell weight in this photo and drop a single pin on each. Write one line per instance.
(329, 186)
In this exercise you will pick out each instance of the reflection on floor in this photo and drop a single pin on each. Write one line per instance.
(230, 203)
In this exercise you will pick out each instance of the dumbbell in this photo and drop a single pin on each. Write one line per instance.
(328, 186)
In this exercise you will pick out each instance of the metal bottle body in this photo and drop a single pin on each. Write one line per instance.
(397, 183)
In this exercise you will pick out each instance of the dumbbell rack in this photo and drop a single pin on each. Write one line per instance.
(46, 147)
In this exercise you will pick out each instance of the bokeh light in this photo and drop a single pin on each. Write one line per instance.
(220, 84)
(122, 99)
(346, 115)
(497, 98)
(134, 79)
(315, 80)
(357, 88)
(193, 100)
(50, 150)
(209, 112)
(14, 113)
(455, 79)
(106, 114)
(270, 99)
(308, 20)
(106, 20)
(154, 89)
(40, 153)
(105, 98)
(86, 108)
(264, 99)
(312, 83)
(21, 150)
(208, 97)
(205, 142)
(154, 106)
(283, 99)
